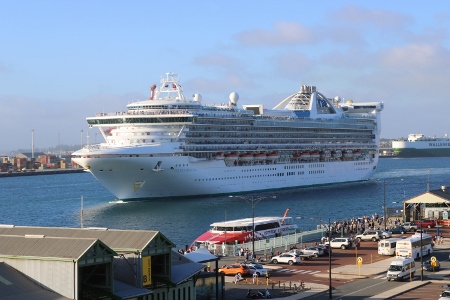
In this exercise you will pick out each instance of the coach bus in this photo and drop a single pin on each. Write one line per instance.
(410, 247)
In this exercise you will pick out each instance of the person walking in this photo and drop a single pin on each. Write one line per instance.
(255, 278)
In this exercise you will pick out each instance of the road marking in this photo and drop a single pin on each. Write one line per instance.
(354, 292)
(380, 276)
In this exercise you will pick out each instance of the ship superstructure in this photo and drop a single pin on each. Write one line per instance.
(171, 146)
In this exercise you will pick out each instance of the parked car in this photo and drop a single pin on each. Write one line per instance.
(426, 223)
(256, 268)
(432, 266)
(287, 258)
(386, 234)
(235, 269)
(398, 230)
(316, 251)
(410, 226)
(325, 248)
(445, 295)
(343, 243)
(370, 235)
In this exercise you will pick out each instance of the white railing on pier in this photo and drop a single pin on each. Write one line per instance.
(299, 239)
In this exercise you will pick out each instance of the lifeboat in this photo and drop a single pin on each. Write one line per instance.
(356, 153)
(296, 155)
(231, 156)
(336, 153)
(219, 156)
(305, 155)
(246, 157)
(348, 153)
(326, 153)
(315, 154)
(260, 156)
(273, 156)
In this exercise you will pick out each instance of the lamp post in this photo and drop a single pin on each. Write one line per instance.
(384, 204)
(421, 253)
(253, 201)
(330, 288)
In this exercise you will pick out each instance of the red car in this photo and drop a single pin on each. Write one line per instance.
(426, 223)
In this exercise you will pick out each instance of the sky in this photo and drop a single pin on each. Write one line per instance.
(62, 61)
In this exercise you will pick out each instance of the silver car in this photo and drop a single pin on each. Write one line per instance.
(316, 251)
(257, 268)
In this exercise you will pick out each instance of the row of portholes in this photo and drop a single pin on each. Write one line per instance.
(317, 172)
(294, 167)
(238, 177)
(254, 170)
(293, 173)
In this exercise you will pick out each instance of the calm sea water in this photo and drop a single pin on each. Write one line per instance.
(55, 200)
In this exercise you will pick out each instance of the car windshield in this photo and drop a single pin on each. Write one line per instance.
(395, 268)
(258, 266)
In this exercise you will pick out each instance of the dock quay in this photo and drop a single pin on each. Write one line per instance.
(284, 280)
(41, 172)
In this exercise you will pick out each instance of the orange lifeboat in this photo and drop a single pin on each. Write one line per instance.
(219, 156)
(305, 155)
(231, 156)
(315, 154)
(273, 156)
(356, 153)
(260, 156)
(246, 157)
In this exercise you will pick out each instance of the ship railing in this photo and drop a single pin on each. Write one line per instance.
(298, 239)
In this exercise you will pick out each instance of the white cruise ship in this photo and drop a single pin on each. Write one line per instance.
(172, 146)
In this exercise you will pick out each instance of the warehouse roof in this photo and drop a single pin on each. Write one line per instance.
(133, 240)
(16, 286)
(44, 247)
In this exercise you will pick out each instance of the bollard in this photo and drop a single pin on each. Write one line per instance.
(290, 284)
(295, 287)
(284, 286)
(279, 284)
(273, 285)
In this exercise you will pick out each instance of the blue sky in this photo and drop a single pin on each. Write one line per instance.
(62, 61)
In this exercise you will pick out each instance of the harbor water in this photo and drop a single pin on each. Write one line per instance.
(56, 201)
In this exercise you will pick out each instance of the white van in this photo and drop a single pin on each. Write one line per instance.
(401, 268)
(387, 247)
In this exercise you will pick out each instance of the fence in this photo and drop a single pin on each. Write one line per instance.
(284, 242)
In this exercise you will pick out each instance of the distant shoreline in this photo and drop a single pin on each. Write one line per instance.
(41, 172)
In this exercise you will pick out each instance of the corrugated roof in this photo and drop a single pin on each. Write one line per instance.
(433, 196)
(115, 239)
(16, 286)
(44, 247)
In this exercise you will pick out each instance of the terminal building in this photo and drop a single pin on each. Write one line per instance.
(433, 204)
(93, 263)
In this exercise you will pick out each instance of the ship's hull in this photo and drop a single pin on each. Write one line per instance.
(421, 149)
(135, 177)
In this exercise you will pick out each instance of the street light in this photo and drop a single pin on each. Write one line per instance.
(253, 201)
(384, 206)
(421, 251)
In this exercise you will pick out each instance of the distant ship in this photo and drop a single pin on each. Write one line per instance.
(172, 146)
(418, 145)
